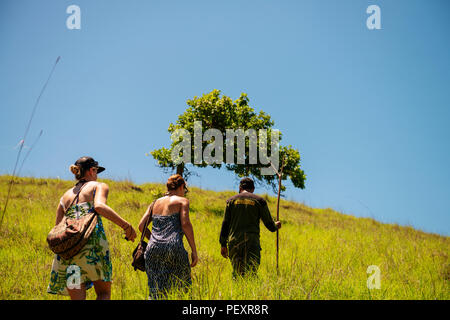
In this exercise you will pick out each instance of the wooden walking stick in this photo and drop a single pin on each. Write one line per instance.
(280, 175)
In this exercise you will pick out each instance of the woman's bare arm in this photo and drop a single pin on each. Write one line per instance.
(106, 211)
(142, 223)
(188, 230)
(59, 214)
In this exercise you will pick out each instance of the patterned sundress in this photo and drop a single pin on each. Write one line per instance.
(166, 260)
(92, 263)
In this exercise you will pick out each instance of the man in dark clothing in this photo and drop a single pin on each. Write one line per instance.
(240, 229)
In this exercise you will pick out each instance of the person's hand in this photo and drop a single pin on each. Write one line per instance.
(224, 252)
(130, 234)
(278, 224)
(194, 259)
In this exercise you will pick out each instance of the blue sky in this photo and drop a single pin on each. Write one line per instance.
(367, 109)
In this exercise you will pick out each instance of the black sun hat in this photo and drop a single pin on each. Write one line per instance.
(88, 162)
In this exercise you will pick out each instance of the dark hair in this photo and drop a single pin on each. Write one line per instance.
(174, 182)
(247, 184)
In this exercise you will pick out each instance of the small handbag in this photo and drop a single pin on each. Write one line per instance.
(138, 253)
(69, 236)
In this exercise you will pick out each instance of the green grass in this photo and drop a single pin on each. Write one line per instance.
(324, 254)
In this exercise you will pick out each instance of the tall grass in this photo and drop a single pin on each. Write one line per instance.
(323, 254)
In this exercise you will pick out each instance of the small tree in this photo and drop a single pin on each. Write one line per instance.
(221, 113)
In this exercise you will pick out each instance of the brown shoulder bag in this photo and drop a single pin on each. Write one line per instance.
(69, 236)
(138, 253)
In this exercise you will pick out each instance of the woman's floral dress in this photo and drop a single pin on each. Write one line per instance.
(92, 263)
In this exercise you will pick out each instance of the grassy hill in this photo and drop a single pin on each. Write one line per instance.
(323, 254)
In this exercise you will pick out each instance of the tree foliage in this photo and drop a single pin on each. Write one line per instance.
(221, 112)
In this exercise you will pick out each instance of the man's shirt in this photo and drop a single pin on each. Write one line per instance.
(242, 215)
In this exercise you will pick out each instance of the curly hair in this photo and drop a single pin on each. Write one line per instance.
(78, 171)
(174, 182)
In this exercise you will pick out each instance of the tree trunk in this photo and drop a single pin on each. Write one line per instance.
(180, 169)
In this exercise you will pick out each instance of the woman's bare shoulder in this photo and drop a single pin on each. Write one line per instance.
(180, 200)
(89, 187)
(160, 200)
(97, 184)
(68, 193)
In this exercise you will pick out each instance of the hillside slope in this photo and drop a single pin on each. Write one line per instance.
(323, 254)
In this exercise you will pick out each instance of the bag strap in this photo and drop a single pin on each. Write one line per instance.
(93, 199)
(76, 197)
(148, 220)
